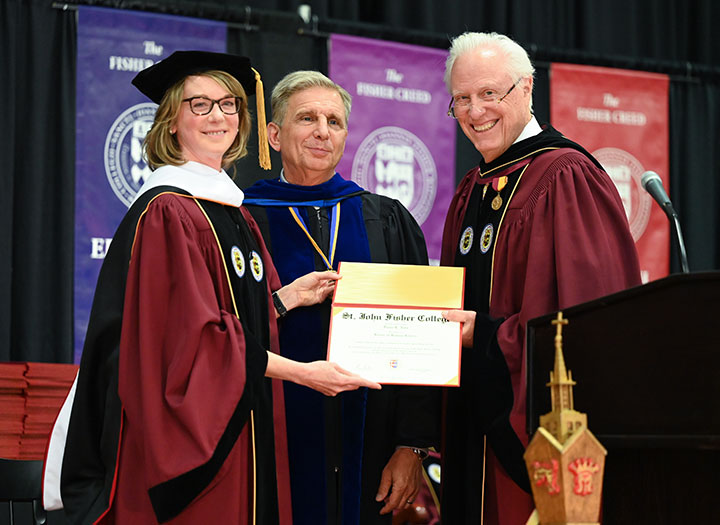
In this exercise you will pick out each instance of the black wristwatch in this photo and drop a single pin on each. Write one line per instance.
(421, 453)
(279, 306)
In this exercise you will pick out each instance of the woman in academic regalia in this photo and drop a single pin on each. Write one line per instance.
(174, 417)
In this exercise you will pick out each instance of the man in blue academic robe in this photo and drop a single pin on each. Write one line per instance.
(356, 457)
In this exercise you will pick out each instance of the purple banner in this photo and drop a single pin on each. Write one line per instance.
(112, 120)
(400, 143)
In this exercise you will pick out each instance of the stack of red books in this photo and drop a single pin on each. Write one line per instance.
(33, 396)
(12, 407)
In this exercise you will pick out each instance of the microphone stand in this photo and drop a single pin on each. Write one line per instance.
(677, 234)
(667, 207)
(649, 178)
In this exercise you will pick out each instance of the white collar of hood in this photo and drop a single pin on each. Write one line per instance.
(531, 129)
(198, 180)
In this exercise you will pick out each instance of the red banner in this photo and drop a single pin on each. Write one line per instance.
(621, 117)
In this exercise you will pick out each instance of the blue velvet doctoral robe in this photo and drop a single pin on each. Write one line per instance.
(339, 446)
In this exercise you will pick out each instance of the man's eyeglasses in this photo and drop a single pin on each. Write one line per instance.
(204, 105)
(462, 103)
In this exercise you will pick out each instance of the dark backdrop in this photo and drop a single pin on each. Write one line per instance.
(37, 90)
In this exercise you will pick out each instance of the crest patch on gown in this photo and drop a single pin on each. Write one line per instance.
(486, 238)
(434, 472)
(238, 261)
(466, 240)
(256, 266)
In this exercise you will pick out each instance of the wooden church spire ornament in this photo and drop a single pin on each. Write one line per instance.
(565, 461)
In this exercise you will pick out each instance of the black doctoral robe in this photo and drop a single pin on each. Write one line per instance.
(339, 446)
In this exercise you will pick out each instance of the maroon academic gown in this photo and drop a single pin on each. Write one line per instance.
(560, 237)
(201, 431)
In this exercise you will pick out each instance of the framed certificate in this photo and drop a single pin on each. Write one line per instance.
(386, 323)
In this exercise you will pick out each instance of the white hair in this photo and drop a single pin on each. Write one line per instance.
(518, 62)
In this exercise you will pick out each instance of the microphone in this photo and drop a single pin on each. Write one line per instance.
(652, 183)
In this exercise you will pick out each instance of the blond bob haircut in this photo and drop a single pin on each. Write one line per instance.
(299, 81)
(162, 147)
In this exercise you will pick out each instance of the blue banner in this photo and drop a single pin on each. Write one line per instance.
(112, 120)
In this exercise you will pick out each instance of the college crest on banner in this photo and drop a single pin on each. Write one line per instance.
(112, 120)
(621, 117)
(400, 143)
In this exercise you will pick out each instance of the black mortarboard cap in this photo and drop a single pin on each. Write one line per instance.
(155, 80)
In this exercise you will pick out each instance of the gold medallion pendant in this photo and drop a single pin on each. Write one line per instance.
(496, 202)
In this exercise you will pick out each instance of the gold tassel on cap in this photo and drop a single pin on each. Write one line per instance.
(263, 148)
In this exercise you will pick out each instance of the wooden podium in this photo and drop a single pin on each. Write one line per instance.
(649, 359)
